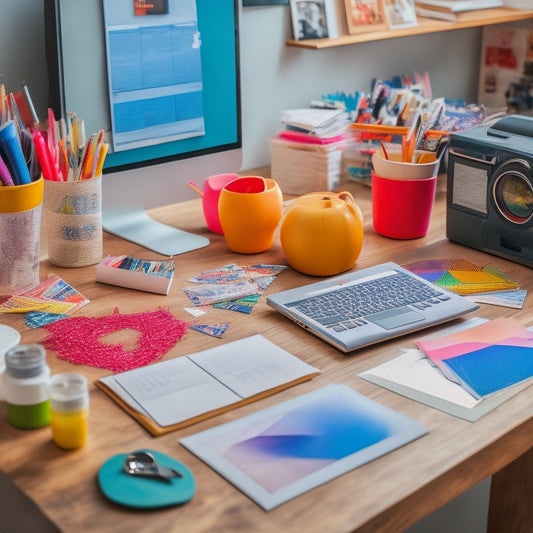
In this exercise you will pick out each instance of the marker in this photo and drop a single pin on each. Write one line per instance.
(5, 175)
(12, 151)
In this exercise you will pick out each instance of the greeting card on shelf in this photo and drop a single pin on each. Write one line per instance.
(364, 16)
(400, 14)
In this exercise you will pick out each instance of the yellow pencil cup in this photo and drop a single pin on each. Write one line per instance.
(20, 236)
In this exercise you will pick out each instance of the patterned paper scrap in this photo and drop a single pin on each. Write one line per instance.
(197, 311)
(217, 292)
(53, 295)
(513, 298)
(215, 330)
(242, 305)
(264, 269)
(55, 288)
(22, 304)
(36, 319)
(226, 274)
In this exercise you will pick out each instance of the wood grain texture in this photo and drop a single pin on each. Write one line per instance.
(386, 495)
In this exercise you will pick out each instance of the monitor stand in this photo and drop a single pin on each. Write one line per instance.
(134, 224)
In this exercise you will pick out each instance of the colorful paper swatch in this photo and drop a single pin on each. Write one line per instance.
(484, 359)
(214, 330)
(53, 295)
(232, 287)
(461, 276)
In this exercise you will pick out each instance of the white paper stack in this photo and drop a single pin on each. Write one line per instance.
(316, 121)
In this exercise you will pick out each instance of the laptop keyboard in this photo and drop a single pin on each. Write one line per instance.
(346, 307)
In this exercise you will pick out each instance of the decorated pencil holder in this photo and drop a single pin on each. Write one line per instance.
(20, 236)
(73, 214)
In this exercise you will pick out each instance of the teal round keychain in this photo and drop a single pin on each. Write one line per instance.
(143, 492)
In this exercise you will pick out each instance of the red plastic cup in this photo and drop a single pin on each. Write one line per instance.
(401, 209)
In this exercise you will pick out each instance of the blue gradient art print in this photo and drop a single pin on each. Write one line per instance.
(290, 448)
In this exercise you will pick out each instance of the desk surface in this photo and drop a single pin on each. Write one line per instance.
(386, 495)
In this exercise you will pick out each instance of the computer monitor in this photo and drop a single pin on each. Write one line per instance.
(180, 60)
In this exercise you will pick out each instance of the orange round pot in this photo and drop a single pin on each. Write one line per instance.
(322, 233)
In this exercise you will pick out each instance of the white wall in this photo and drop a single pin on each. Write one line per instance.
(275, 77)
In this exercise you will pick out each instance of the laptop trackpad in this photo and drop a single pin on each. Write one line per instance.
(394, 318)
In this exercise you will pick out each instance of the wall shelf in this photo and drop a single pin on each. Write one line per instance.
(470, 19)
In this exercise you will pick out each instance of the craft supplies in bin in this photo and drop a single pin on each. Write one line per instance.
(301, 167)
(356, 163)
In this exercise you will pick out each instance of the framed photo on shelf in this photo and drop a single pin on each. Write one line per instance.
(314, 19)
(248, 3)
(400, 13)
(364, 15)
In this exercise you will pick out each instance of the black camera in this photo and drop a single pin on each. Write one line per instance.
(490, 188)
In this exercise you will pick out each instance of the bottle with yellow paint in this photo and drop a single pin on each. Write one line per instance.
(69, 399)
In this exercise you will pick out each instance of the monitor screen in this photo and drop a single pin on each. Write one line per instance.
(161, 78)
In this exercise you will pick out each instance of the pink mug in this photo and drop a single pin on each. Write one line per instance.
(210, 195)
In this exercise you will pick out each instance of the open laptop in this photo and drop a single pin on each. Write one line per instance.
(369, 306)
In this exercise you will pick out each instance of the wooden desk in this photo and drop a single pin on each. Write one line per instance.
(387, 495)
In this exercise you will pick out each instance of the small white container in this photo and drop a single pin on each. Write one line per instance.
(25, 386)
(69, 399)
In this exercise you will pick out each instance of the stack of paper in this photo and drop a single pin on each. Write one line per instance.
(415, 375)
(316, 121)
(485, 359)
(447, 9)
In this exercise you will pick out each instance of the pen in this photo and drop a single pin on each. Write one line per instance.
(30, 102)
(63, 159)
(93, 144)
(43, 155)
(102, 152)
(5, 175)
(194, 186)
(380, 128)
(2, 102)
(12, 151)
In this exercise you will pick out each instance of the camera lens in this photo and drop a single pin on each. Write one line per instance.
(513, 196)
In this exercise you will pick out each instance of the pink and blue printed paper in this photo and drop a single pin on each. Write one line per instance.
(484, 359)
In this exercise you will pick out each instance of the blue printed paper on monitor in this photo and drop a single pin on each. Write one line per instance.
(154, 74)
(281, 452)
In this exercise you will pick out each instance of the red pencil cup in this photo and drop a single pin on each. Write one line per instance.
(401, 209)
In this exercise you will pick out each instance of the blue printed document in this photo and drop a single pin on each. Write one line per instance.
(286, 450)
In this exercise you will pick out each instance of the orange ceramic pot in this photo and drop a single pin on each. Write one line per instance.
(322, 233)
(249, 209)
